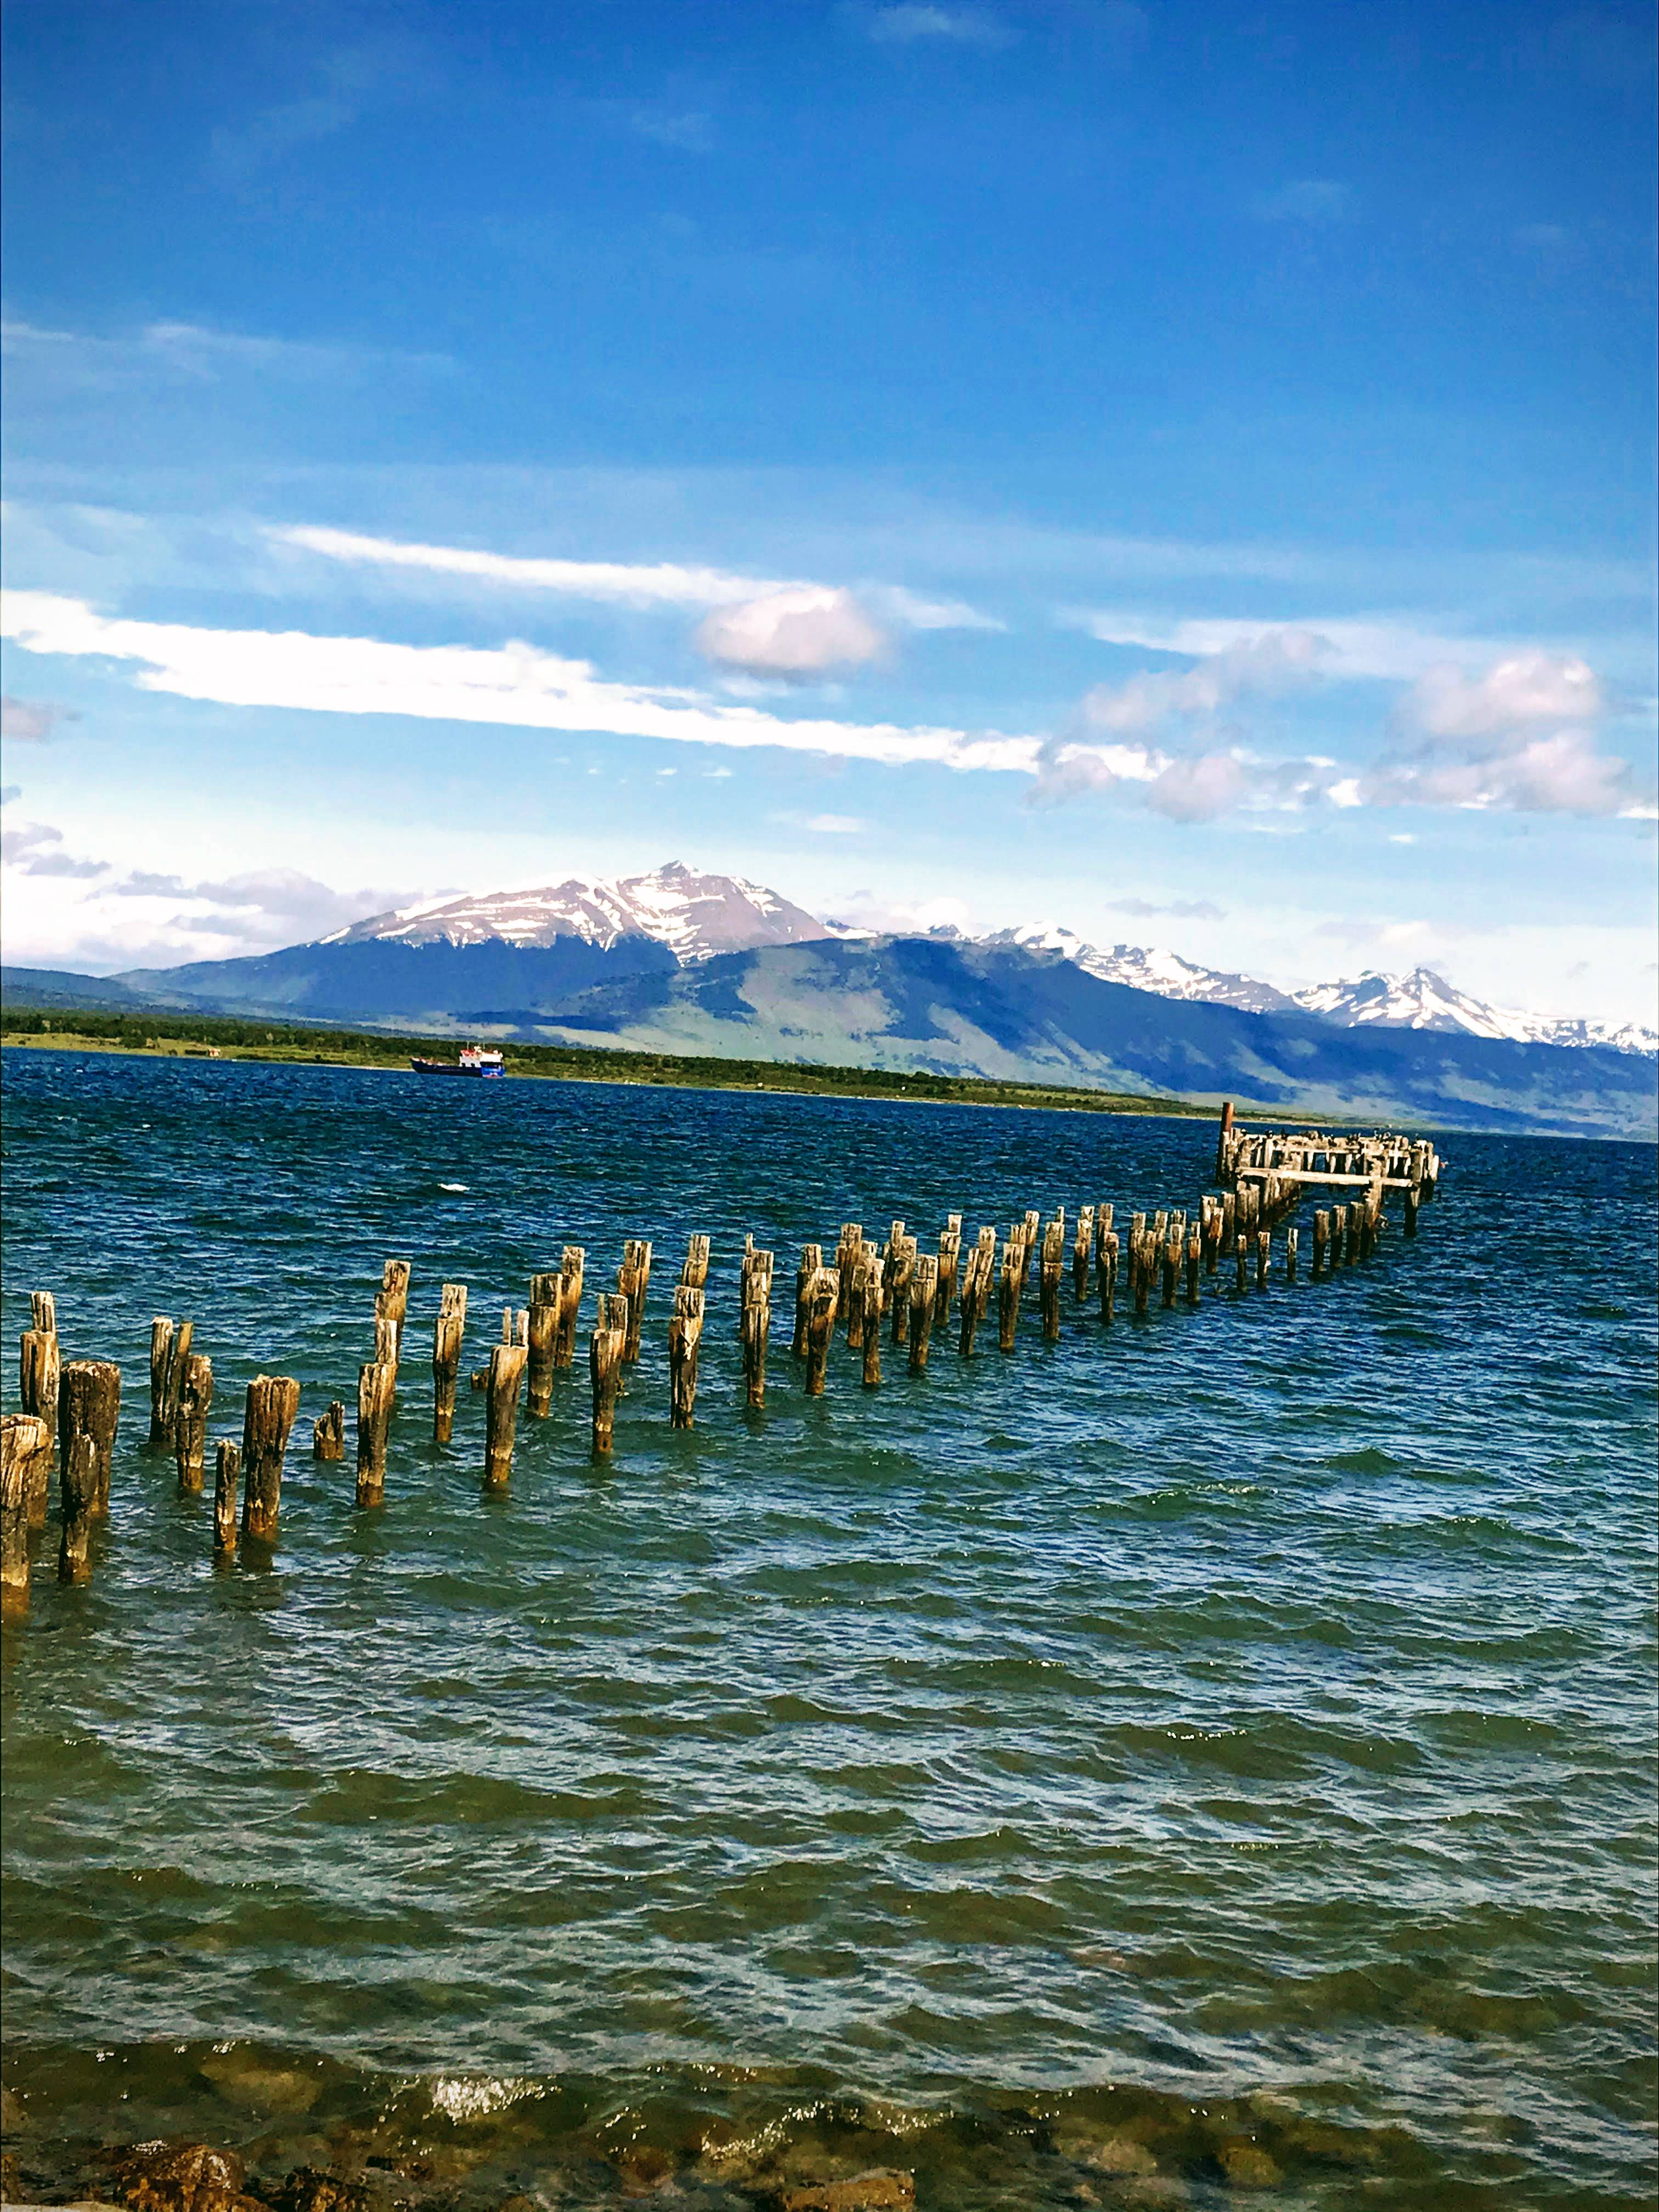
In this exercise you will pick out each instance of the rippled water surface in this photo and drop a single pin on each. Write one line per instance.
(1210, 1753)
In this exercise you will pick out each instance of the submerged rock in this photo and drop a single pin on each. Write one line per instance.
(879, 2190)
(245, 2079)
(1247, 2166)
(178, 2177)
(311, 2189)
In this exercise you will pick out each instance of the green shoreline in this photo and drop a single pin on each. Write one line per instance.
(165, 1036)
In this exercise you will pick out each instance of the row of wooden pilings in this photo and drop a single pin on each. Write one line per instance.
(70, 1409)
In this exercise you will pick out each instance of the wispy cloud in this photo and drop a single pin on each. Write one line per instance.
(629, 583)
(191, 353)
(1389, 645)
(513, 686)
(916, 21)
(35, 848)
(688, 130)
(348, 80)
(1178, 909)
(33, 719)
(1313, 200)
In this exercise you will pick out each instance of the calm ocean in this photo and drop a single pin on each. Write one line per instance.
(1215, 1753)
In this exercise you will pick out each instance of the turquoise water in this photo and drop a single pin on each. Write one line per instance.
(1216, 1752)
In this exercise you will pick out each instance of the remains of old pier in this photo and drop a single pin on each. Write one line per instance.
(70, 1410)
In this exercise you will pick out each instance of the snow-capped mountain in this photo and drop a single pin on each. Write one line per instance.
(695, 915)
(1146, 967)
(1424, 1001)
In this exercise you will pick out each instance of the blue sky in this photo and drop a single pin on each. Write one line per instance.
(1184, 471)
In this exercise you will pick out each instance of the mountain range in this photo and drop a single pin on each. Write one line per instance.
(680, 962)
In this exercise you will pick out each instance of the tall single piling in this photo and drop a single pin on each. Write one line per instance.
(226, 1471)
(272, 1402)
(684, 1336)
(636, 1261)
(811, 1259)
(26, 1446)
(392, 1303)
(693, 1269)
(1081, 1250)
(1241, 1251)
(506, 1366)
(874, 1273)
(40, 1366)
(78, 1479)
(190, 1419)
(904, 1273)
(1264, 1239)
(606, 1349)
(448, 1331)
(821, 1295)
(948, 1269)
(924, 1293)
(169, 1348)
(541, 1331)
(377, 1384)
(1322, 1238)
(1290, 1255)
(571, 1268)
(846, 1256)
(1008, 1288)
(89, 1403)
(43, 1312)
(1051, 1277)
(1106, 1256)
(755, 1325)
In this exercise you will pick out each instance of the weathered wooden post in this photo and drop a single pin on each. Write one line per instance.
(846, 1252)
(1106, 1273)
(385, 1341)
(1171, 1267)
(606, 1350)
(969, 1302)
(1008, 1290)
(272, 1402)
(1290, 1255)
(1264, 1238)
(904, 1273)
(542, 1329)
(78, 1481)
(328, 1432)
(1240, 1249)
(26, 1455)
(811, 1259)
(448, 1331)
(571, 1267)
(506, 1366)
(636, 1260)
(40, 1366)
(392, 1303)
(820, 1325)
(1195, 1257)
(43, 1312)
(1322, 1236)
(694, 1270)
(1224, 1141)
(1339, 1236)
(754, 1326)
(1051, 1275)
(684, 1335)
(377, 1386)
(226, 1469)
(190, 1418)
(947, 1269)
(924, 1294)
(1081, 1248)
(169, 1348)
(89, 1403)
(1414, 1199)
(873, 1275)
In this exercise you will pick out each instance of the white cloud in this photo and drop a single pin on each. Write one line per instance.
(638, 584)
(915, 20)
(1198, 790)
(798, 633)
(34, 849)
(1524, 689)
(512, 686)
(1181, 910)
(1366, 646)
(190, 353)
(33, 719)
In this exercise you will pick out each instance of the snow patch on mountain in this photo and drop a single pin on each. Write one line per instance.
(1424, 1001)
(1146, 967)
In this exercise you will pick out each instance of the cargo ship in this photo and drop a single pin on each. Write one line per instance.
(474, 1060)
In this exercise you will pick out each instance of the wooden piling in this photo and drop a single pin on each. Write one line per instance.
(1051, 1276)
(272, 1402)
(904, 1273)
(847, 1253)
(448, 1333)
(976, 1293)
(89, 1403)
(328, 1433)
(1414, 1199)
(754, 1329)
(43, 1312)
(26, 1448)
(636, 1260)
(1081, 1250)
(1290, 1255)
(1170, 1255)
(227, 1470)
(1008, 1288)
(1240, 1249)
(506, 1366)
(1322, 1238)
(392, 1303)
(1106, 1260)
(684, 1336)
(78, 1481)
(1264, 1238)
(377, 1387)
(169, 1347)
(1336, 1258)
(693, 1269)
(571, 1267)
(190, 1418)
(811, 1259)
(604, 1357)
(541, 1333)
(874, 1276)
(39, 1365)
(1224, 1141)
(947, 1269)
(821, 1293)
(1195, 1260)
(924, 1294)
(385, 1340)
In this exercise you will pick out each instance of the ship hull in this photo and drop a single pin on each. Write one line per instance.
(449, 1067)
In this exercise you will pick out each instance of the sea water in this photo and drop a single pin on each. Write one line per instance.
(1210, 1753)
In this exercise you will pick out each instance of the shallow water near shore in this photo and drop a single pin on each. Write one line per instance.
(1212, 1754)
